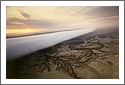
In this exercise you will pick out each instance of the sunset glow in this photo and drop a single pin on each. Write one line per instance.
(21, 31)
(28, 19)
(62, 40)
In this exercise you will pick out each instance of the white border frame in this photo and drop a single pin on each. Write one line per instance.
(62, 81)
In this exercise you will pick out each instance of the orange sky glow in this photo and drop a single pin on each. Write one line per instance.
(21, 31)
(28, 19)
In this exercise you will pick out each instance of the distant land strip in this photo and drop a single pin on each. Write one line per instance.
(39, 33)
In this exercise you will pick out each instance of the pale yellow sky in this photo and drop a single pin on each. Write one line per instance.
(44, 18)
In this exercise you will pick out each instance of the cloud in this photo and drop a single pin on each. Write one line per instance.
(97, 11)
(64, 17)
(104, 11)
(83, 10)
(25, 15)
(33, 23)
(104, 18)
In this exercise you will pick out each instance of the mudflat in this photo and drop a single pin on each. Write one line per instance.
(91, 56)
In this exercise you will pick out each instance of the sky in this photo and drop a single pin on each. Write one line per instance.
(28, 19)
